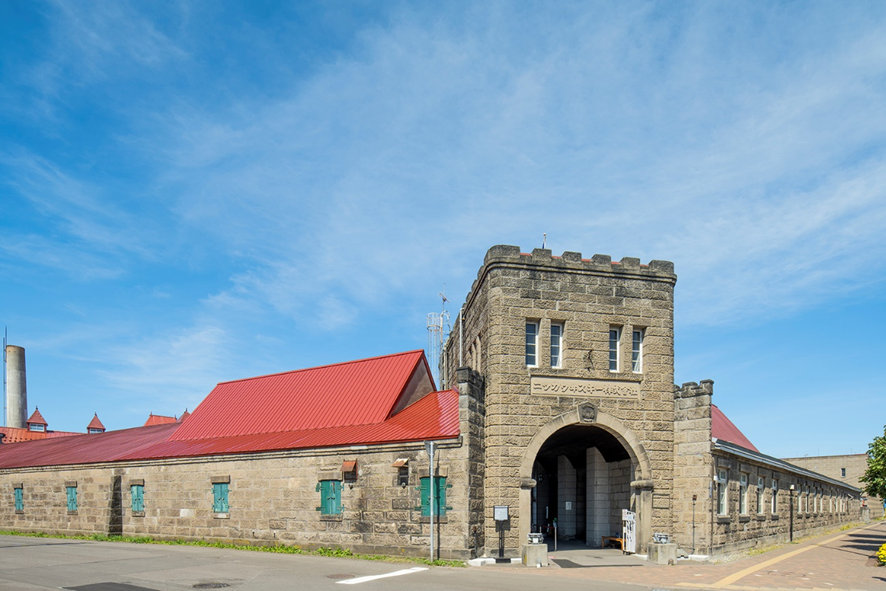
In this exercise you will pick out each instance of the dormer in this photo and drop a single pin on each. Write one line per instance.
(37, 422)
(95, 425)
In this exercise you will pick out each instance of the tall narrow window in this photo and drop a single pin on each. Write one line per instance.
(761, 485)
(440, 487)
(614, 342)
(531, 344)
(138, 497)
(637, 351)
(19, 500)
(71, 492)
(743, 494)
(722, 483)
(774, 497)
(556, 345)
(220, 497)
(843, 472)
(330, 497)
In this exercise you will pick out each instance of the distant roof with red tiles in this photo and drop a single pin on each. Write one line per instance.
(16, 435)
(723, 428)
(36, 418)
(158, 420)
(95, 423)
(381, 400)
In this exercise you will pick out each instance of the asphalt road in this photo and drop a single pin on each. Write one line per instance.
(29, 564)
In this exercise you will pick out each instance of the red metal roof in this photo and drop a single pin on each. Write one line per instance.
(331, 399)
(37, 418)
(354, 393)
(723, 428)
(95, 423)
(158, 420)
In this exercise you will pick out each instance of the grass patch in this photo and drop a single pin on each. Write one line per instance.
(331, 552)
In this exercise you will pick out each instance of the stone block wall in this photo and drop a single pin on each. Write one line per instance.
(854, 466)
(818, 505)
(272, 500)
(586, 296)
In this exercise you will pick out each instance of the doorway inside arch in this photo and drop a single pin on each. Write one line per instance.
(583, 475)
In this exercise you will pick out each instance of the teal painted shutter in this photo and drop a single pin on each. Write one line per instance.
(220, 497)
(72, 498)
(425, 497)
(19, 500)
(330, 497)
(440, 496)
(138, 497)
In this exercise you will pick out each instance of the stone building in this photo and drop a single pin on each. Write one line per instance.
(847, 468)
(565, 410)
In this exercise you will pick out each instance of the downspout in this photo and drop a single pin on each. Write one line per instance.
(711, 499)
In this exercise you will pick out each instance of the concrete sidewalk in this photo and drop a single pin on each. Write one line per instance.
(840, 561)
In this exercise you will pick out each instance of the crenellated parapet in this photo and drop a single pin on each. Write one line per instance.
(692, 390)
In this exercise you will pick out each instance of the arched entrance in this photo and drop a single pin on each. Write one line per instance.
(586, 466)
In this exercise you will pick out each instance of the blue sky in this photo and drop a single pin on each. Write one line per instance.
(193, 192)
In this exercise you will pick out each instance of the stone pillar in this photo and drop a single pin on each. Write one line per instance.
(599, 492)
(16, 388)
(472, 423)
(566, 482)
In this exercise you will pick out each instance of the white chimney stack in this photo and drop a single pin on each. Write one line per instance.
(16, 388)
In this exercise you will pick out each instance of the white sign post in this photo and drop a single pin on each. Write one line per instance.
(629, 531)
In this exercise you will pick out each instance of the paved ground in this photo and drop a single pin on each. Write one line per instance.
(842, 561)
(837, 562)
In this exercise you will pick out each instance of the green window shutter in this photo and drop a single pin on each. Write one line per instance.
(330, 497)
(425, 497)
(220, 497)
(19, 500)
(138, 497)
(72, 498)
(440, 496)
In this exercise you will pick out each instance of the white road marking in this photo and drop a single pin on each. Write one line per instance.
(407, 571)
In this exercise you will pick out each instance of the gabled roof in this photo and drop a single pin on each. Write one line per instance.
(723, 429)
(371, 401)
(95, 423)
(158, 420)
(36, 418)
(361, 392)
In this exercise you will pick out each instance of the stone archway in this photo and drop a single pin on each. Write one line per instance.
(586, 414)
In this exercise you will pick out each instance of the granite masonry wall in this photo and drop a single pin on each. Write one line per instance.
(587, 297)
(273, 499)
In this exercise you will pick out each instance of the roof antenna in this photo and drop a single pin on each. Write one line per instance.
(438, 333)
(544, 240)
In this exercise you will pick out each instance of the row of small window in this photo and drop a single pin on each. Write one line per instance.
(330, 497)
(556, 342)
(818, 498)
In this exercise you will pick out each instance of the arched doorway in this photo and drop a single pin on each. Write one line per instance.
(586, 467)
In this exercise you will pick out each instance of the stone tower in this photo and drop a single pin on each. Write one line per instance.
(572, 365)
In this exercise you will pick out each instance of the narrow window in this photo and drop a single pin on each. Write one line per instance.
(19, 500)
(637, 351)
(220, 497)
(761, 485)
(743, 494)
(403, 476)
(556, 345)
(774, 497)
(614, 342)
(440, 487)
(805, 499)
(843, 472)
(531, 344)
(330, 497)
(722, 483)
(138, 498)
(72, 497)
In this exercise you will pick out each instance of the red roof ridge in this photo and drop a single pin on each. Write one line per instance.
(292, 371)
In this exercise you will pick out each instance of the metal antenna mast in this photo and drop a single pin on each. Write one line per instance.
(438, 332)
